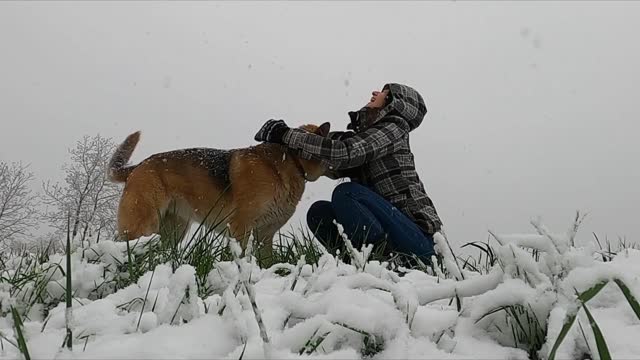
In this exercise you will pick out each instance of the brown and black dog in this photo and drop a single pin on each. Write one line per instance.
(255, 189)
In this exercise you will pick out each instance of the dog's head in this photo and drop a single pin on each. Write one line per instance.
(314, 168)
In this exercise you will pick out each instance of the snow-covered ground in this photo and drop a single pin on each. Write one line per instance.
(332, 309)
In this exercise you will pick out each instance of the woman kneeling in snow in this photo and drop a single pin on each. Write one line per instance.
(385, 199)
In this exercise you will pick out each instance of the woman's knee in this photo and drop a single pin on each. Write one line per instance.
(319, 211)
(345, 190)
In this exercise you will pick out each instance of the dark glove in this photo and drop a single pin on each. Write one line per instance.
(351, 173)
(272, 131)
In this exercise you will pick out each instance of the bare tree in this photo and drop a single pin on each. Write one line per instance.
(17, 202)
(86, 195)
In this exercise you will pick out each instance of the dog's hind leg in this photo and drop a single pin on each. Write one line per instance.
(140, 208)
(137, 220)
(172, 226)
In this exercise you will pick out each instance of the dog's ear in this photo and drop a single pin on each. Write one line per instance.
(323, 130)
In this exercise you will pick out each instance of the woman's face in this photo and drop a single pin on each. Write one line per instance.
(378, 99)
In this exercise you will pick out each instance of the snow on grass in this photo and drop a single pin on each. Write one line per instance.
(327, 309)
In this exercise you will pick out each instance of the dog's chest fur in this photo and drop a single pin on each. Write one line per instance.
(285, 199)
(287, 183)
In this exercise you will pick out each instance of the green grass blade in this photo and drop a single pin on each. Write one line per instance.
(568, 322)
(584, 336)
(458, 302)
(603, 350)
(591, 292)
(146, 295)
(493, 311)
(11, 342)
(308, 343)
(129, 262)
(68, 287)
(243, 349)
(633, 302)
(475, 244)
(22, 343)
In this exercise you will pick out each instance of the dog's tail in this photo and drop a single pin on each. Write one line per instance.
(118, 172)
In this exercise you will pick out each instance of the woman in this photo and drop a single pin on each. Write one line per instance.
(385, 199)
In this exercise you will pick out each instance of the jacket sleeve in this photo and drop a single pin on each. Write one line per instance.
(336, 174)
(430, 225)
(344, 152)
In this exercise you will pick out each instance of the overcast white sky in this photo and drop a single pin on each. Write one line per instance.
(533, 106)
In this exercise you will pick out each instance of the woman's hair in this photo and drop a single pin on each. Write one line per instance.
(372, 115)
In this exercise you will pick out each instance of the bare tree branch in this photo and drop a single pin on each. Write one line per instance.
(17, 202)
(86, 192)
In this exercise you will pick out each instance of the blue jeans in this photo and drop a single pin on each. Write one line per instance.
(367, 218)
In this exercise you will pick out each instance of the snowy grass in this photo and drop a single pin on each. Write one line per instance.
(521, 296)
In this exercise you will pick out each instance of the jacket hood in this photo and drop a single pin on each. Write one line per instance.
(405, 102)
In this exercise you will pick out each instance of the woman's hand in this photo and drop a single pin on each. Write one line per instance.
(272, 131)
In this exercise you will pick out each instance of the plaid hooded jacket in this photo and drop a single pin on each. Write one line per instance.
(378, 156)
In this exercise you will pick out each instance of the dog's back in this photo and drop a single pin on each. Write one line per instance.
(216, 161)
